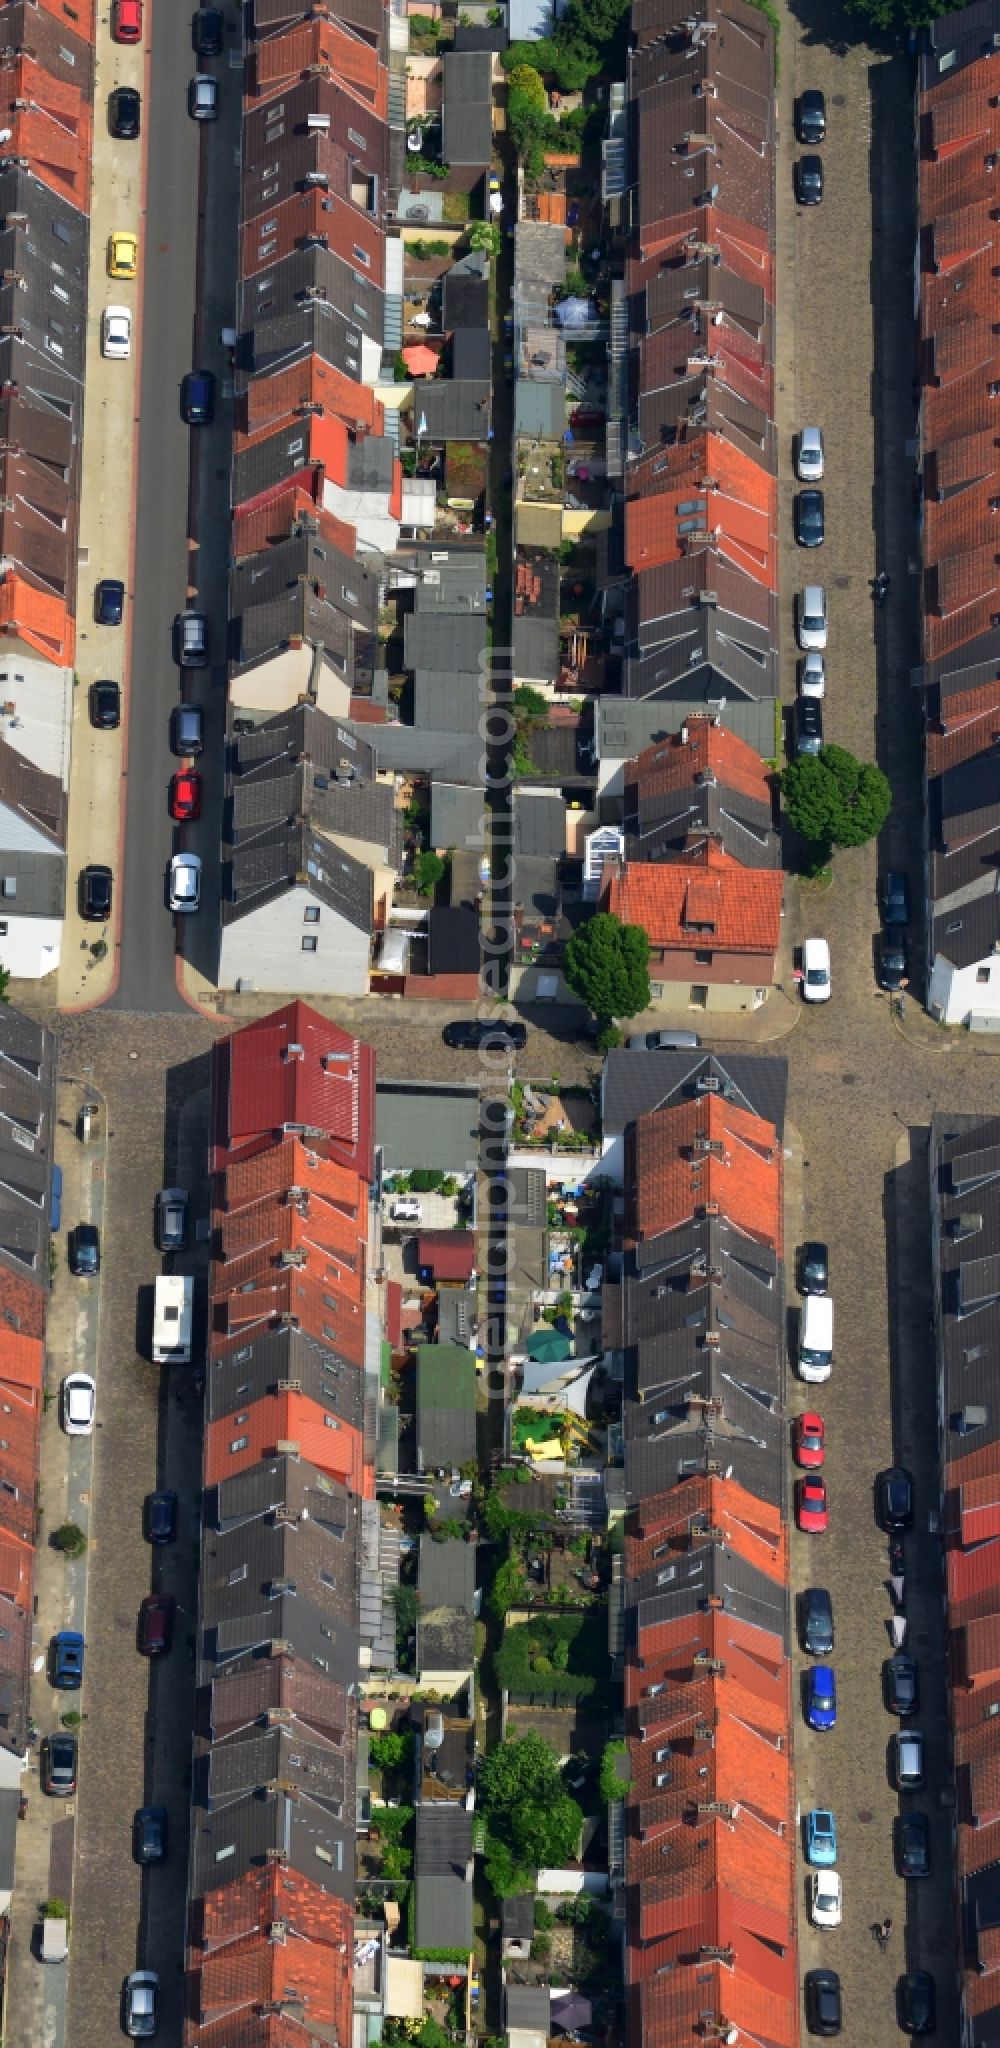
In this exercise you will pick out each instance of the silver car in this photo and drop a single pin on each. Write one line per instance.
(171, 1219)
(809, 462)
(203, 97)
(185, 881)
(141, 1990)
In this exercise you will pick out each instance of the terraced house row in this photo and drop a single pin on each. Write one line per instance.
(46, 105)
(694, 1316)
(290, 1600)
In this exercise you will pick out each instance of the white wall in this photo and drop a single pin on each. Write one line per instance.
(30, 948)
(265, 949)
(955, 994)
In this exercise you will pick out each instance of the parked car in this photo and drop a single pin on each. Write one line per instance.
(821, 1837)
(469, 1037)
(105, 701)
(109, 603)
(810, 456)
(67, 1660)
(203, 97)
(912, 1844)
(58, 1766)
(812, 623)
(809, 1441)
(85, 1251)
(810, 125)
(826, 1899)
(185, 796)
(907, 1752)
(95, 893)
(816, 986)
(156, 1624)
(125, 114)
(895, 897)
(894, 1500)
(663, 1041)
(811, 1508)
(171, 1219)
(902, 1684)
(187, 729)
(821, 1696)
(198, 387)
(140, 2000)
(814, 1267)
(207, 32)
(78, 1401)
(809, 180)
(917, 2003)
(185, 881)
(116, 333)
(191, 639)
(810, 519)
(123, 254)
(812, 676)
(126, 21)
(816, 1621)
(808, 725)
(160, 1516)
(149, 1834)
(893, 964)
(824, 2008)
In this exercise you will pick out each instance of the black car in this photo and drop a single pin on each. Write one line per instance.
(808, 725)
(149, 1834)
(902, 1684)
(109, 606)
(894, 1495)
(892, 958)
(469, 1037)
(917, 2003)
(85, 1251)
(811, 123)
(810, 519)
(95, 894)
(160, 1516)
(895, 898)
(207, 32)
(187, 729)
(124, 109)
(59, 1766)
(816, 1621)
(814, 1268)
(824, 2013)
(912, 1844)
(809, 180)
(198, 398)
(105, 706)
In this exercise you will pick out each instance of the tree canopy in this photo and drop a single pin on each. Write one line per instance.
(902, 14)
(607, 965)
(833, 799)
(531, 1822)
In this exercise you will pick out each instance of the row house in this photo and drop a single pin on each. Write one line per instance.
(958, 253)
(965, 1237)
(46, 90)
(694, 1314)
(291, 1607)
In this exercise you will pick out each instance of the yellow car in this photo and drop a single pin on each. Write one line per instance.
(123, 255)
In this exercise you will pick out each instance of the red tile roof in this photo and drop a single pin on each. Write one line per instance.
(706, 901)
(320, 47)
(41, 621)
(240, 1967)
(269, 524)
(318, 214)
(735, 501)
(451, 1254)
(968, 723)
(295, 1067)
(702, 747)
(23, 1304)
(752, 1528)
(700, 1157)
(277, 401)
(50, 127)
(288, 1418)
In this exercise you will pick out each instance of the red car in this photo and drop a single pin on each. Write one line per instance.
(126, 21)
(185, 795)
(808, 1441)
(156, 1624)
(810, 1506)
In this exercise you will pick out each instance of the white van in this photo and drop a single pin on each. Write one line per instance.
(815, 1360)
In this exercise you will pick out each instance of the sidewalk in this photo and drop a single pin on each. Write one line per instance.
(107, 496)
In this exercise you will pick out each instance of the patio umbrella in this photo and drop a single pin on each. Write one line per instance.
(420, 360)
(547, 1347)
(571, 2012)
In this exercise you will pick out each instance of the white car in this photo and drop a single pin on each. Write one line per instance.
(79, 1399)
(185, 881)
(825, 1899)
(116, 332)
(809, 463)
(812, 675)
(815, 971)
(812, 618)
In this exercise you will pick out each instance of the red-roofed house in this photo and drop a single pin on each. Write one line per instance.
(714, 926)
(295, 1073)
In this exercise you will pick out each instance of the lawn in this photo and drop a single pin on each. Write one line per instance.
(466, 469)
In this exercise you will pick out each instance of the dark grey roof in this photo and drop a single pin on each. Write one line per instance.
(44, 237)
(517, 1917)
(556, 757)
(443, 1844)
(453, 580)
(467, 116)
(305, 588)
(367, 16)
(272, 1687)
(659, 824)
(288, 857)
(528, 2006)
(679, 643)
(539, 409)
(444, 410)
(27, 1115)
(703, 283)
(539, 823)
(310, 301)
(457, 1313)
(471, 354)
(31, 31)
(959, 39)
(38, 800)
(452, 643)
(38, 879)
(453, 941)
(416, 749)
(304, 765)
(262, 1758)
(445, 697)
(446, 1585)
(666, 400)
(965, 1201)
(428, 1123)
(465, 298)
(536, 647)
(536, 886)
(267, 1581)
(540, 252)
(457, 818)
(282, 1826)
(623, 728)
(472, 36)
(969, 931)
(708, 1571)
(270, 129)
(446, 1428)
(526, 1196)
(634, 1082)
(33, 371)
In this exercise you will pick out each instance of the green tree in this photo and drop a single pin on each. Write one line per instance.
(902, 14)
(606, 964)
(525, 80)
(832, 799)
(428, 871)
(530, 1820)
(4, 984)
(432, 2034)
(483, 234)
(69, 1540)
(389, 1751)
(509, 1587)
(612, 1785)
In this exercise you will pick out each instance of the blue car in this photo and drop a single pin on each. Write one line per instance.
(67, 1660)
(821, 1837)
(821, 1697)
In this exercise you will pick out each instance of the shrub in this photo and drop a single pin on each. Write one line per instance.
(69, 1540)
